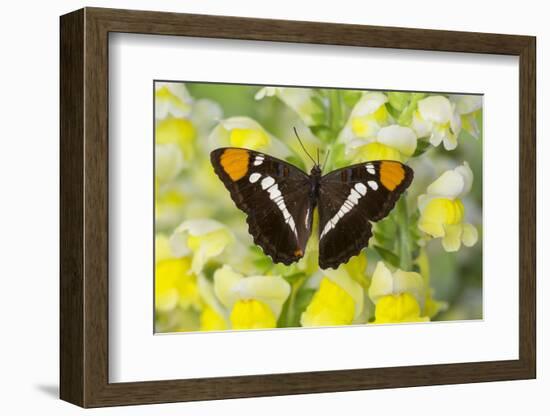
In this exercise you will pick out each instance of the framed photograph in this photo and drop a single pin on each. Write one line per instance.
(256, 207)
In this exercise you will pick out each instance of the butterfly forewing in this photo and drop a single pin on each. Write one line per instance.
(351, 197)
(275, 197)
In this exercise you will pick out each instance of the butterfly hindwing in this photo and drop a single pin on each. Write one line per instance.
(273, 194)
(351, 197)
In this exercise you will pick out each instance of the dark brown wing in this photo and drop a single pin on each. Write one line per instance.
(274, 195)
(349, 199)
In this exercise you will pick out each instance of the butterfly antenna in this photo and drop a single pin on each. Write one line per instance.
(326, 160)
(303, 147)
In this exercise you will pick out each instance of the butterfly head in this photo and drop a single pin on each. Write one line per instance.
(317, 169)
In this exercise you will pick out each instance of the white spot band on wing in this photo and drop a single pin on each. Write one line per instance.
(268, 183)
(254, 177)
(258, 160)
(356, 193)
(373, 185)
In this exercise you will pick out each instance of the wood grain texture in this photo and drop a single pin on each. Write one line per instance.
(96, 207)
(84, 207)
(527, 208)
(71, 217)
(226, 27)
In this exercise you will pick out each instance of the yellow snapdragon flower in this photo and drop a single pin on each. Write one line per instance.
(247, 133)
(398, 308)
(175, 133)
(168, 162)
(162, 248)
(356, 267)
(299, 99)
(169, 203)
(468, 106)
(442, 211)
(368, 116)
(211, 320)
(254, 302)
(339, 300)
(172, 100)
(213, 316)
(200, 239)
(398, 296)
(390, 143)
(437, 119)
(175, 284)
(370, 132)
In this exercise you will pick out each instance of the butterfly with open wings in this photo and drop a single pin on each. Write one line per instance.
(279, 200)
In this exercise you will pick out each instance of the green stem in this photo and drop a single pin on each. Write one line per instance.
(291, 312)
(335, 112)
(403, 240)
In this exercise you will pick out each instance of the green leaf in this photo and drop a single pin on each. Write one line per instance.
(407, 114)
(404, 247)
(293, 278)
(209, 269)
(319, 97)
(399, 100)
(301, 302)
(282, 322)
(303, 298)
(295, 161)
(296, 303)
(337, 157)
(386, 230)
(318, 118)
(255, 250)
(393, 112)
(417, 96)
(351, 97)
(262, 264)
(322, 131)
(387, 255)
(320, 102)
(259, 259)
(413, 219)
(422, 146)
(383, 239)
(336, 119)
(320, 93)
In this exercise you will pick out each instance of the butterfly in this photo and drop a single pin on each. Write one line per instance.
(279, 200)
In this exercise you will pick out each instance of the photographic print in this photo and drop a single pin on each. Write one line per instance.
(287, 207)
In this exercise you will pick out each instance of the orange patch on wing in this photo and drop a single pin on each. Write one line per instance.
(391, 174)
(235, 163)
(298, 253)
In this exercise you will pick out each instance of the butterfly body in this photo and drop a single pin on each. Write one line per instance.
(315, 183)
(279, 200)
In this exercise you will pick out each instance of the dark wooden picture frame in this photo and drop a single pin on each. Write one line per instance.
(84, 212)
